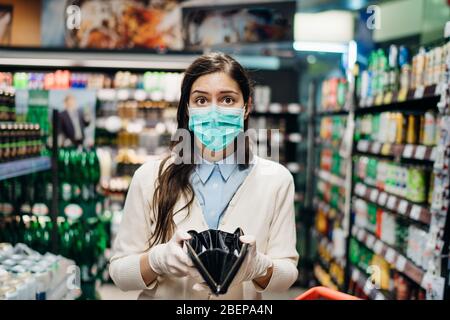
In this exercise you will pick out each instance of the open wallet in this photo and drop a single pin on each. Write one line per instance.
(217, 255)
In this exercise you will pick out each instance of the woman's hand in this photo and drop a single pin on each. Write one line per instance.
(256, 267)
(170, 259)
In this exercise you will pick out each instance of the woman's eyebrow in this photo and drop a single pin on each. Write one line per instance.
(228, 91)
(199, 91)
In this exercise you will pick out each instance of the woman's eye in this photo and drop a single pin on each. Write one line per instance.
(200, 101)
(228, 100)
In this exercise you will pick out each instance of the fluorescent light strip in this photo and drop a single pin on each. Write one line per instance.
(265, 63)
(125, 64)
(320, 47)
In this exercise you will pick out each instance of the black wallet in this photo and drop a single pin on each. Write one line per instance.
(217, 255)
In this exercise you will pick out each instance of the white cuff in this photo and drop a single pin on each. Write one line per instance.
(126, 273)
(284, 274)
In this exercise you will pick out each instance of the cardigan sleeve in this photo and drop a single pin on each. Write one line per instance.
(282, 238)
(134, 232)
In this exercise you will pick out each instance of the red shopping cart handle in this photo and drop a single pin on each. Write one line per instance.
(318, 293)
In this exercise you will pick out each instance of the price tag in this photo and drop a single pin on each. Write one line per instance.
(368, 287)
(382, 199)
(374, 195)
(418, 94)
(437, 90)
(400, 263)
(358, 189)
(354, 231)
(378, 247)
(408, 151)
(363, 145)
(294, 108)
(402, 206)
(420, 152)
(363, 190)
(370, 241)
(433, 154)
(391, 202)
(360, 235)
(376, 147)
(415, 212)
(355, 275)
(390, 255)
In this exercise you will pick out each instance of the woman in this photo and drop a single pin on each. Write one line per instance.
(208, 186)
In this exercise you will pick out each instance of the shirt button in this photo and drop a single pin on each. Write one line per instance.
(215, 185)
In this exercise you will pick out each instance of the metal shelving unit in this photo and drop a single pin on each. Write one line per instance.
(436, 220)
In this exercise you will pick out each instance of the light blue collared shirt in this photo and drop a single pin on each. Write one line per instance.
(214, 186)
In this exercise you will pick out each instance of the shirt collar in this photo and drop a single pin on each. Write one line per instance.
(226, 168)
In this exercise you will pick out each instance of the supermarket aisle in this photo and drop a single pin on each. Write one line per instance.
(111, 292)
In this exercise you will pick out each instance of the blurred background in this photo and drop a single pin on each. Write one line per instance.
(356, 93)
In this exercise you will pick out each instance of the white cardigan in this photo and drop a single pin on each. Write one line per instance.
(263, 206)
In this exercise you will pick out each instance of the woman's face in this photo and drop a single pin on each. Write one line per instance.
(216, 89)
(221, 90)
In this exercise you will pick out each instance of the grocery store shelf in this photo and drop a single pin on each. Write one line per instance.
(327, 143)
(368, 287)
(273, 114)
(331, 178)
(331, 113)
(332, 212)
(324, 278)
(418, 99)
(397, 260)
(22, 167)
(325, 266)
(324, 241)
(405, 151)
(393, 203)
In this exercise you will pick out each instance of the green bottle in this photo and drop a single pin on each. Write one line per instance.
(65, 239)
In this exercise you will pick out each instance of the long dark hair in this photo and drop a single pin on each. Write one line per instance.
(174, 178)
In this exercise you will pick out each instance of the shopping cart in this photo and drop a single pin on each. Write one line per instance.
(324, 293)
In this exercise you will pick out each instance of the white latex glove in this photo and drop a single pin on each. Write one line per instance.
(255, 265)
(170, 259)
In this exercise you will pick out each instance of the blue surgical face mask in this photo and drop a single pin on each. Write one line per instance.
(216, 127)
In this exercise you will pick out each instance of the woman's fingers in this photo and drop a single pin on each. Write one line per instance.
(180, 236)
(200, 287)
(249, 239)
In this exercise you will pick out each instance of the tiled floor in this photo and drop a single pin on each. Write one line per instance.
(111, 292)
